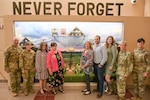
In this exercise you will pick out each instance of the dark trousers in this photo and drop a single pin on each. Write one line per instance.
(99, 74)
(87, 81)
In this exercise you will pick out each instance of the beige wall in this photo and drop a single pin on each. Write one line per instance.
(147, 8)
(2, 48)
(128, 9)
(2, 31)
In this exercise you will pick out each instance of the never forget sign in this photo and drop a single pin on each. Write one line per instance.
(73, 8)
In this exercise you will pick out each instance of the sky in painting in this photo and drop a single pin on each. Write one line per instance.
(39, 31)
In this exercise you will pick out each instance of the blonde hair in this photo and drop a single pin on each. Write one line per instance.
(89, 44)
(123, 42)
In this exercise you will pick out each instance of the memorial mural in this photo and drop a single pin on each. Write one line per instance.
(69, 36)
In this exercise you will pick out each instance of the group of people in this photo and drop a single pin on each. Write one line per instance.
(108, 59)
(27, 64)
(104, 58)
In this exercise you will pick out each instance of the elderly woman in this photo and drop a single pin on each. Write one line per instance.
(55, 65)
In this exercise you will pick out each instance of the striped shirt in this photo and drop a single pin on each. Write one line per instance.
(100, 54)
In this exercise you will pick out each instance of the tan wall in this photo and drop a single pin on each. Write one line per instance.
(2, 33)
(2, 48)
(134, 27)
(147, 8)
(2, 43)
(128, 9)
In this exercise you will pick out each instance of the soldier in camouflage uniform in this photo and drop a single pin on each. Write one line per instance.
(27, 64)
(124, 68)
(12, 66)
(141, 68)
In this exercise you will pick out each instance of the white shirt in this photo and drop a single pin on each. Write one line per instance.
(100, 54)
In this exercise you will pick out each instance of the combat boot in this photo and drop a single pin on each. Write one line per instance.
(139, 98)
(117, 96)
(114, 87)
(134, 98)
(121, 98)
(110, 89)
(26, 92)
(31, 89)
(14, 94)
(20, 91)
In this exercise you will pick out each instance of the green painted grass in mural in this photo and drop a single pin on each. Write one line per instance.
(78, 78)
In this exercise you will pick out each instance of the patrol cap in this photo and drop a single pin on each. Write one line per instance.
(28, 43)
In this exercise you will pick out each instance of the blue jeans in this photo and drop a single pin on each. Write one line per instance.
(99, 74)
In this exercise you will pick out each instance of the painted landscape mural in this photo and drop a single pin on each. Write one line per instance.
(69, 36)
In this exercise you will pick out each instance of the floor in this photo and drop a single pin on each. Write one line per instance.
(72, 92)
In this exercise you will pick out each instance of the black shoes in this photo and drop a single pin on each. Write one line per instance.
(99, 95)
(62, 91)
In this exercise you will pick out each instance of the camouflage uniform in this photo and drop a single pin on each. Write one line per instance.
(12, 66)
(124, 68)
(141, 61)
(27, 64)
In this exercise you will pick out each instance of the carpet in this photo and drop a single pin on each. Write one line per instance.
(128, 94)
(46, 96)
